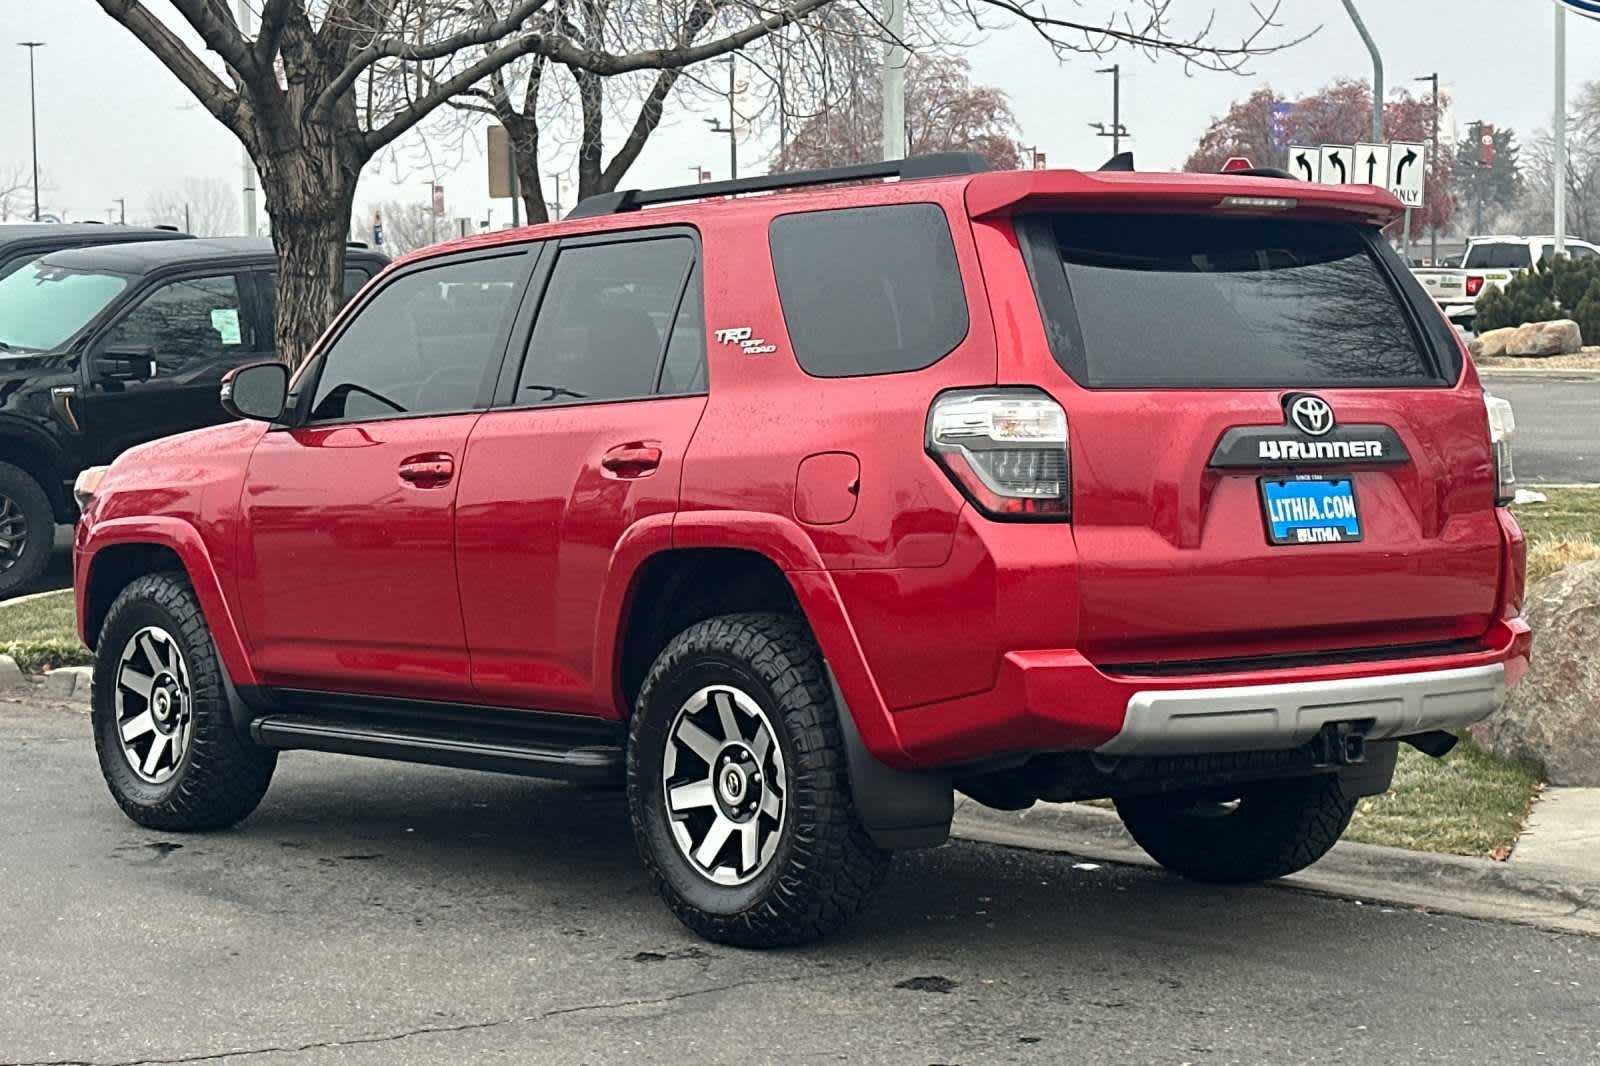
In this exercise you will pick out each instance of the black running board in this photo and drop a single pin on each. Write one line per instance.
(520, 752)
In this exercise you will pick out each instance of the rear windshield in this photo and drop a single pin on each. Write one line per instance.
(1201, 302)
(1499, 257)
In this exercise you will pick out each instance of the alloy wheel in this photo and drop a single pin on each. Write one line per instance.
(723, 781)
(155, 704)
(13, 533)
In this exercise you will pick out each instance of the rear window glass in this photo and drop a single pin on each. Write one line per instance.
(1499, 257)
(1195, 302)
(869, 290)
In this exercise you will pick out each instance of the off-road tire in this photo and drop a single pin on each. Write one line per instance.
(220, 778)
(1276, 828)
(825, 866)
(29, 498)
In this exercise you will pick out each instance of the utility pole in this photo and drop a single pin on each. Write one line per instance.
(122, 210)
(1377, 71)
(33, 111)
(894, 81)
(556, 177)
(247, 166)
(1433, 231)
(1117, 130)
(1561, 129)
(731, 128)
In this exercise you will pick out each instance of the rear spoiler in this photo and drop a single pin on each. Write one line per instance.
(1001, 193)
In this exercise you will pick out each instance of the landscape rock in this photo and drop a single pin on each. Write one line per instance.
(1491, 344)
(69, 682)
(12, 679)
(1560, 337)
(1553, 716)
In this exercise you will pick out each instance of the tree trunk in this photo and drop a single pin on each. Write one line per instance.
(310, 232)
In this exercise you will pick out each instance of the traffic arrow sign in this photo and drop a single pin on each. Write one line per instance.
(1409, 171)
(1303, 162)
(1372, 165)
(1338, 164)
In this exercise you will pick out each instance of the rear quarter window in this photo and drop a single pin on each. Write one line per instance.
(869, 290)
(1174, 301)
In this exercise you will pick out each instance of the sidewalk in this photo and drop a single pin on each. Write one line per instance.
(1563, 831)
(1531, 889)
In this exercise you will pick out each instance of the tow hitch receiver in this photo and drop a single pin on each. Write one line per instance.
(1341, 743)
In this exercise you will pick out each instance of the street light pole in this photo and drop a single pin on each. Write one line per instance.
(33, 111)
(556, 177)
(1115, 70)
(1560, 125)
(1433, 231)
(1377, 71)
(894, 81)
(731, 129)
(122, 209)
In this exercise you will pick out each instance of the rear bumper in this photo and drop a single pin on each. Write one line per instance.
(1271, 717)
(1059, 701)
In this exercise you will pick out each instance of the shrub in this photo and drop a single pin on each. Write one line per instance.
(1587, 314)
(1554, 289)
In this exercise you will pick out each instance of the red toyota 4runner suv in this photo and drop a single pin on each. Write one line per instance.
(797, 503)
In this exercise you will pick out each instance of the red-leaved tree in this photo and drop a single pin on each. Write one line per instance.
(1341, 113)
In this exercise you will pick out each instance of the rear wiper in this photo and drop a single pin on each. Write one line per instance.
(554, 391)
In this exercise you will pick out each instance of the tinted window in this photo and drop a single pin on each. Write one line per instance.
(1498, 256)
(1580, 251)
(605, 320)
(869, 290)
(427, 342)
(190, 323)
(684, 369)
(1166, 300)
(42, 306)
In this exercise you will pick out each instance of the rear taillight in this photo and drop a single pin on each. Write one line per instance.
(1502, 427)
(1006, 449)
(1474, 285)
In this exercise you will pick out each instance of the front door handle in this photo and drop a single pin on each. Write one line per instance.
(638, 459)
(428, 470)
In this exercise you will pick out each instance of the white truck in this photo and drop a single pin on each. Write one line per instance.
(1490, 260)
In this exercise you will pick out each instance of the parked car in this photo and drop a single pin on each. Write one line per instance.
(796, 512)
(105, 347)
(23, 242)
(1490, 261)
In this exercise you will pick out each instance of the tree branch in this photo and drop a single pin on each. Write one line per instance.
(221, 101)
(219, 31)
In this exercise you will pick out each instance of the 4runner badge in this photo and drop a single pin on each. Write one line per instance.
(740, 335)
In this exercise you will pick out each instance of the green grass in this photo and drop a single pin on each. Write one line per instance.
(41, 633)
(1468, 803)
(1561, 531)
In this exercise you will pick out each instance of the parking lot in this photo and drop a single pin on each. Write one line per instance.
(379, 913)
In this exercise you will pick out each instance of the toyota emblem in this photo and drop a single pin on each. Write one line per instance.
(1311, 415)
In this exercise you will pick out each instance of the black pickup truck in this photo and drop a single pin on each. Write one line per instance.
(102, 348)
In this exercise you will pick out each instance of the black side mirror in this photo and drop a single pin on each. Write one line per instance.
(256, 391)
(126, 362)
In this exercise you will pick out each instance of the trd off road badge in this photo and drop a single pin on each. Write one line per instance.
(740, 335)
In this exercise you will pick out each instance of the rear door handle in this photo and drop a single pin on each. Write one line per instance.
(638, 459)
(428, 470)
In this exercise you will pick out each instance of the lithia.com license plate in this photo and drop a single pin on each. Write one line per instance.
(1310, 510)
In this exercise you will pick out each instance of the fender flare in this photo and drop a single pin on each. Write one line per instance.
(48, 448)
(185, 541)
(899, 806)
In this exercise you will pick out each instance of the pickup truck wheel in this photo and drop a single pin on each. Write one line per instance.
(1261, 832)
(738, 788)
(27, 529)
(166, 741)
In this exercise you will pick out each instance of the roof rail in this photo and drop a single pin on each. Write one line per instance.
(939, 164)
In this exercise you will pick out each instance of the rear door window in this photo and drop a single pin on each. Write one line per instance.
(1503, 256)
(1173, 301)
(869, 290)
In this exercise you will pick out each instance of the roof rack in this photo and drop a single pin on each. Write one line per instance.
(939, 164)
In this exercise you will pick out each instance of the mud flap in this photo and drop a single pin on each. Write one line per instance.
(899, 810)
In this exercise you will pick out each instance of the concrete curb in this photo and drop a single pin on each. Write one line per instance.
(1536, 894)
(66, 684)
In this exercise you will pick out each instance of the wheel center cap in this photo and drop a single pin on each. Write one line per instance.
(734, 784)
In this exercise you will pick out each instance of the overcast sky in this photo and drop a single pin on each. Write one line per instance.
(113, 123)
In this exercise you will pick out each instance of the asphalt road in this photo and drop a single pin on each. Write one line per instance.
(1558, 427)
(372, 913)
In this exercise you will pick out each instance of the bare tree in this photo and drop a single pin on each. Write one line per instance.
(1534, 211)
(323, 85)
(16, 193)
(205, 207)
